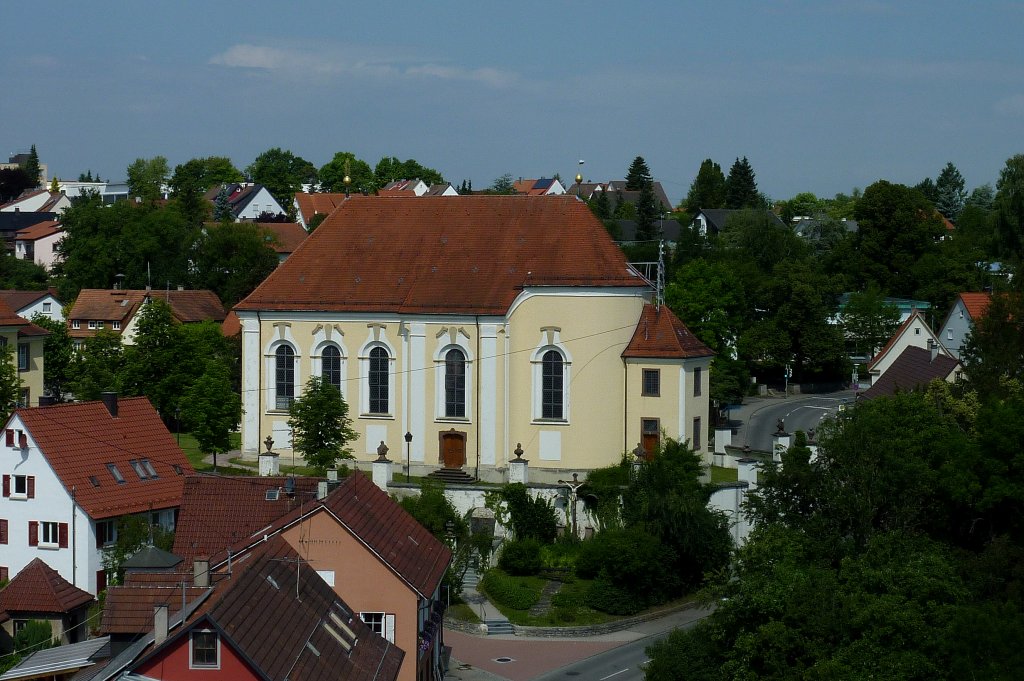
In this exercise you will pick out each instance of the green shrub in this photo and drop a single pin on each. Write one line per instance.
(509, 591)
(607, 597)
(631, 560)
(520, 557)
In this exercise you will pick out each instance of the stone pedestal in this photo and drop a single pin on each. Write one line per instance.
(269, 464)
(723, 438)
(519, 468)
(813, 446)
(746, 471)
(382, 473)
(781, 441)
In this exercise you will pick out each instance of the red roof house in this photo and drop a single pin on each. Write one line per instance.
(37, 592)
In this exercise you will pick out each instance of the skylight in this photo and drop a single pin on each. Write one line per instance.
(115, 473)
(149, 468)
(139, 470)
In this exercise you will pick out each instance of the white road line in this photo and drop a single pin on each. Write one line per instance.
(615, 674)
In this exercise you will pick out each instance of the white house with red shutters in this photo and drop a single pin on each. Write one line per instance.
(71, 470)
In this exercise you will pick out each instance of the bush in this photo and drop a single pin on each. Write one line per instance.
(521, 557)
(631, 560)
(509, 591)
(607, 597)
(531, 517)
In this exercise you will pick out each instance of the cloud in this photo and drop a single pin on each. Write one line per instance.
(328, 62)
(1010, 106)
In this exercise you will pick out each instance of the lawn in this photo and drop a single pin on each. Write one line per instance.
(567, 606)
(722, 474)
(190, 446)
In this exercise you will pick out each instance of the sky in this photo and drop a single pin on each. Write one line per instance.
(821, 96)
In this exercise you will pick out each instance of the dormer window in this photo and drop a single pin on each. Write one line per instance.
(116, 326)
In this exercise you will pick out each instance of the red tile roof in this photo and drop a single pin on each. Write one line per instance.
(311, 204)
(471, 255)
(976, 303)
(217, 512)
(19, 299)
(121, 305)
(232, 325)
(8, 317)
(660, 334)
(287, 235)
(80, 440)
(39, 231)
(129, 609)
(39, 588)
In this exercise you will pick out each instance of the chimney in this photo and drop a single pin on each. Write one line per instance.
(321, 490)
(159, 623)
(934, 348)
(201, 571)
(110, 402)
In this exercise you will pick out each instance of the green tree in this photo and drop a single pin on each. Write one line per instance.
(146, 178)
(707, 189)
(36, 635)
(22, 275)
(199, 174)
(433, 510)
(755, 236)
(97, 366)
(647, 215)
(993, 354)
(638, 175)
(321, 427)
(950, 192)
(211, 409)
(13, 181)
(740, 186)
(389, 169)
(502, 185)
(1009, 204)
(868, 321)
(360, 175)
(10, 382)
(982, 197)
(232, 259)
(32, 167)
(804, 204)
(928, 190)
(58, 356)
(134, 532)
(156, 365)
(602, 206)
(282, 173)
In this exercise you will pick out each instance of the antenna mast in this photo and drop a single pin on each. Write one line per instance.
(659, 284)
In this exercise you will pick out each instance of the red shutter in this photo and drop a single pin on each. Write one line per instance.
(62, 535)
(3, 532)
(10, 437)
(7, 485)
(101, 580)
(23, 440)
(4, 576)
(31, 487)
(33, 533)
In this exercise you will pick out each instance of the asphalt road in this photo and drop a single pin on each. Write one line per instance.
(624, 663)
(756, 420)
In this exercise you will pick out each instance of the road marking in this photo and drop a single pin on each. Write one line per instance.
(615, 674)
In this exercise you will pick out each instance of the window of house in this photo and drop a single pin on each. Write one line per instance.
(205, 649)
(148, 467)
(19, 626)
(455, 383)
(330, 366)
(23, 397)
(106, 533)
(698, 379)
(552, 385)
(46, 307)
(284, 377)
(94, 480)
(651, 383)
(917, 332)
(177, 469)
(115, 473)
(949, 334)
(696, 434)
(380, 623)
(650, 435)
(49, 533)
(23, 356)
(76, 324)
(378, 381)
(139, 470)
(99, 324)
(20, 486)
(92, 323)
(115, 325)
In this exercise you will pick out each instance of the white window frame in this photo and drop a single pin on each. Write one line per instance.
(111, 531)
(364, 379)
(380, 623)
(115, 325)
(14, 487)
(76, 324)
(92, 323)
(191, 650)
(537, 360)
(49, 534)
(440, 398)
(46, 307)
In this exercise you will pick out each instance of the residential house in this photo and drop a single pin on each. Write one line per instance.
(247, 201)
(373, 554)
(415, 187)
(284, 237)
(617, 192)
(473, 324)
(28, 304)
(966, 310)
(37, 592)
(13, 222)
(914, 332)
(37, 201)
(308, 206)
(913, 369)
(545, 186)
(443, 189)
(711, 221)
(24, 340)
(71, 470)
(38, 243)
(117, 310)
(274, 618)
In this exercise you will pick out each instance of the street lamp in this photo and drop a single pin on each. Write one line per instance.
(408, 455)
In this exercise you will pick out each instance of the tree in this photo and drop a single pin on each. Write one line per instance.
(707, 189)
(21, 275)
(211, 409)
(647, 214)
(146, 178)
(34, 636)
(10, 382)
(13, 181)
(868, 321)
(804, 204)
(950, 192)
(282, 173)
(993, 354)
(389, 169)
(134, 532)
(602, 206)
(232, 259)
(32, 167)
(928, 190)
(361, 177)
(982, 197)
(1009, 204)
(156, 365)
(58, 356)
(199, 174)
(97, 366)
(321, 427)
(222, 206)
(638, 175)
(502, 185)
(740, 187)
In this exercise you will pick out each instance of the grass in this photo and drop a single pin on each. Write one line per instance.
(190, 446)
(722, 474)
(463, 612)
(570, 614)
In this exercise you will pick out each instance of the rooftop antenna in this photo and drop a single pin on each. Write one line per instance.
(659, 292)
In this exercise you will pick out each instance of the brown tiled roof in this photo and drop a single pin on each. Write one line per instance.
(976, 303)
(914, 315)
(232, 325)
(469, 255)
(660, 334)
(38, 231)
(311, 204)
(217, 512)
(121, 305)
(389, 531)
(393, 193)
(912, 369)
(20, 299)
(287, 235)
(79, 441)
(129, 609)
(8, 317)
(39, 588)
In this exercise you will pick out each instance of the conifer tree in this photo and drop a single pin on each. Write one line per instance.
(708, 188)
(950, 192)
(638, 175)
(32, 166)
(740, 186)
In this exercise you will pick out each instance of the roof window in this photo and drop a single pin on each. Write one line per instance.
(149, 468)
(94, 480)
(139, 470)
(115, 473)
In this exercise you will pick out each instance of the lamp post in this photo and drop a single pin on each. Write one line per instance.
(408, 455)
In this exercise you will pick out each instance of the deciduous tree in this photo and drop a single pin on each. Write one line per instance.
(321, 427)
(146, 178)
(97, 365)
(361, 177)
(58, 356)
(211, 409)
(232, 259)
(1009, 204)
(282, 173)
(868, 321)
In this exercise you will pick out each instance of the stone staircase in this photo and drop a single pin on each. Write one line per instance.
(471, 579)
(499, 626)
(452, 476)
